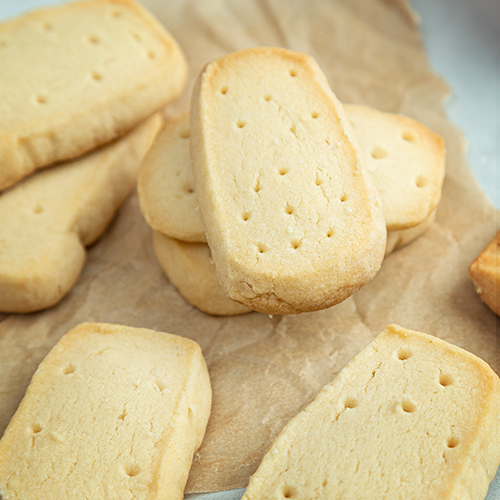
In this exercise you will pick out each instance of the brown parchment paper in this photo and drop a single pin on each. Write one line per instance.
(264, 370)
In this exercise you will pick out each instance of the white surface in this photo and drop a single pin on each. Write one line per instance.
(463, 43)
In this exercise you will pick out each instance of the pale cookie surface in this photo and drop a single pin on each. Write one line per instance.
(49, 218)
(485, 274)
(170, 205)
(406, 161)
(112, 412)
(410, 417)
(76, 76)
(292, 219)
(166, 185)
(190, 269)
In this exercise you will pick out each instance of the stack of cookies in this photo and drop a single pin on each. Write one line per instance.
(297, 196)
(78, 77)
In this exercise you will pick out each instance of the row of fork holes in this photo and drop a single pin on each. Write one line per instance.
(445, 379)
(377, 152)
(92, 39)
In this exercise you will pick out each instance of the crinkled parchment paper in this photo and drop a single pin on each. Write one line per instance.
(264, 370)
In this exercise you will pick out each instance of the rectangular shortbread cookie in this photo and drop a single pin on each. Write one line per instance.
(485, 274)
(411, 417)
(112, 412)
(78, 75)
(49, 218)
(405, 159)
(292, 219)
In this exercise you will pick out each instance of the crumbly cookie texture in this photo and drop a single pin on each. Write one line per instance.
(485, 274)
(190, 268)
(77, 76)
(406, 161)
(49, 218)
(111, 412)
(292, 218)
(410, 417)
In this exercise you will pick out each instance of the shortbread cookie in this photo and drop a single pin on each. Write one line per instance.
(190, 269)
(292, 219)
(485, 274)
(401, 237)
(410, 417)
(49, 218)
(112, 412)
(406, 161)
(167, 187)
(76, 76)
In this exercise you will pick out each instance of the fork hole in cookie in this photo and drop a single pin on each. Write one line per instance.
(160, 384)
(296, 244)
(408, 135)
(257, 187)
(319, 181)
(445, 379)
(224, 90)
(93, 39)
(421, 181)
(289, 210)
(184, 134)
(283, 171)
(96, 76)
(47, 26)
(132, 470)
(330, 233)
(350, 403)
(452, 442)
(37, 209)
(343, 198)
(188, 189)
(36, 428)
(41, 99)
(137, 37)
(267, 97)
(314, 114)
(151, 54)
(3, 43)
(408, 406)
(288, 492)
(404, 354)
(246, 216)
(116, 14)
(293, 72)
(261, 248)
(241, 123)
(379, 153)
(68, 369)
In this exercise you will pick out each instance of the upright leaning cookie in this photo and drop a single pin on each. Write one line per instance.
(76, 76)
(112, 412)
(292, 219)
(410, 417)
